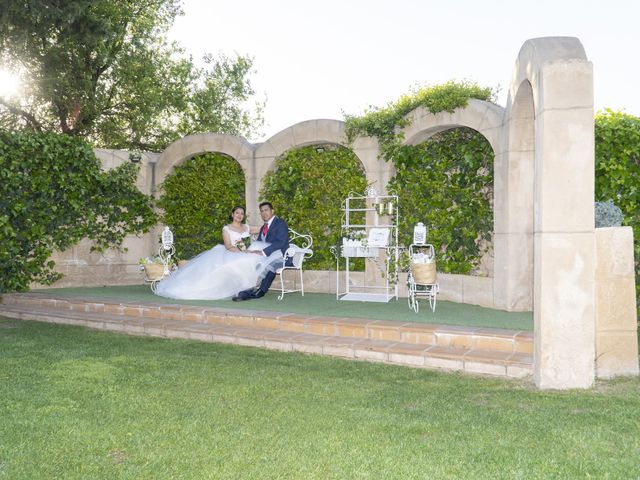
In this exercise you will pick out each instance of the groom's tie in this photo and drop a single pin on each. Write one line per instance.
(265, 227)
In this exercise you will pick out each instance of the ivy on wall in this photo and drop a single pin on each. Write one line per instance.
(197, 198)
(385, 123)
(307, 188)
(617, 149)
(53, 193)
(447, 183)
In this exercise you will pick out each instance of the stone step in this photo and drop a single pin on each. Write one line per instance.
(472, 338)
(456, 358)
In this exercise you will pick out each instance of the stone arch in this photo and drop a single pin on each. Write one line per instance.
(551, 92)
(310, 132)
(191, 145)
(484, 117)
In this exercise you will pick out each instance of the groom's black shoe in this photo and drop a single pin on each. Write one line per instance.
(243, 295)
(250, 294)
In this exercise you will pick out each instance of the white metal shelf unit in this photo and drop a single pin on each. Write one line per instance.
(380, 250)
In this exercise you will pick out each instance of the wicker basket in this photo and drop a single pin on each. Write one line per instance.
(154, 271)
(424, 273)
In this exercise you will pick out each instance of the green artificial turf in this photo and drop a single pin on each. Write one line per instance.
(447, 313)
(84, 404)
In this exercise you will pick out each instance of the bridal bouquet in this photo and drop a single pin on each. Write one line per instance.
(244, 242)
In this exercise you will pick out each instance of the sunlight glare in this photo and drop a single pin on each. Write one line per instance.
(9, 83)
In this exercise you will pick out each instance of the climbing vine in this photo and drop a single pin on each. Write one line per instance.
(384, 123)
(447, 183)
(307, 188)
(197, 199)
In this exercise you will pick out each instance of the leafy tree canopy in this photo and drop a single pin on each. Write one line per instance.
(104, 70)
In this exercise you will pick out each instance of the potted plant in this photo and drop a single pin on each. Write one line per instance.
(153, 267)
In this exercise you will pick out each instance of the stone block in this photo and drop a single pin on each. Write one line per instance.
(485, 368)
(490, 342)
(266, 321)
(283, 141)
(513, 272)
(616, 305)
(382, 330)
(320, 327)
(371, 355)
(418, 335)
(518, 371)
(406, 359)
(305, 133)
(450, 287)
(477, 290)
(443, 363)
(523, 342)
(330, 131)
(617, 354)
(615, 252)
(351, 327)
(565, 310)
(292, 324)
(565, 171)
(565, 85)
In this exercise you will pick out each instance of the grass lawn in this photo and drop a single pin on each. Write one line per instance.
(77, 403)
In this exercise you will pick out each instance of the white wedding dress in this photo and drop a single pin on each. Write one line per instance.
(218, 273)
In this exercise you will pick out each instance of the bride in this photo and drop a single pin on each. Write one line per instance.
(224, 270)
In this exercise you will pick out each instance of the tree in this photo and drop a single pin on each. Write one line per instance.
(104, 70)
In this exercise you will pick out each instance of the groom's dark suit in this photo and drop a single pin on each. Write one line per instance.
(278, 237)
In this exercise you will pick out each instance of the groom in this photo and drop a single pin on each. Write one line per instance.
(276, 232)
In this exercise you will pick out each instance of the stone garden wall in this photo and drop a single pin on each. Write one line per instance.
(548, 256)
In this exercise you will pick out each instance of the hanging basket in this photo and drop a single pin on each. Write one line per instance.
(154, 271)
(424, 273)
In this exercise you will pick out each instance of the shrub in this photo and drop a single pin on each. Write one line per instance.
(607, 214)
(617, 144)
(197, 199)
(53, 193)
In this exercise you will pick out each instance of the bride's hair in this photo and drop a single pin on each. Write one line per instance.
(233, 210)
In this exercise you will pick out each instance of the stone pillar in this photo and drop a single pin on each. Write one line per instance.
(513, 208)
(616, 314)
(564, 239)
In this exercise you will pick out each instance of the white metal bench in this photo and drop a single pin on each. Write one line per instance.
(299, 249)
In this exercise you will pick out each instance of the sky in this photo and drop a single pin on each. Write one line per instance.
(323, 59)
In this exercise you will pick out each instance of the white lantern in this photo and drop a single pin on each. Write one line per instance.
(167, 239)
(419, 234)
